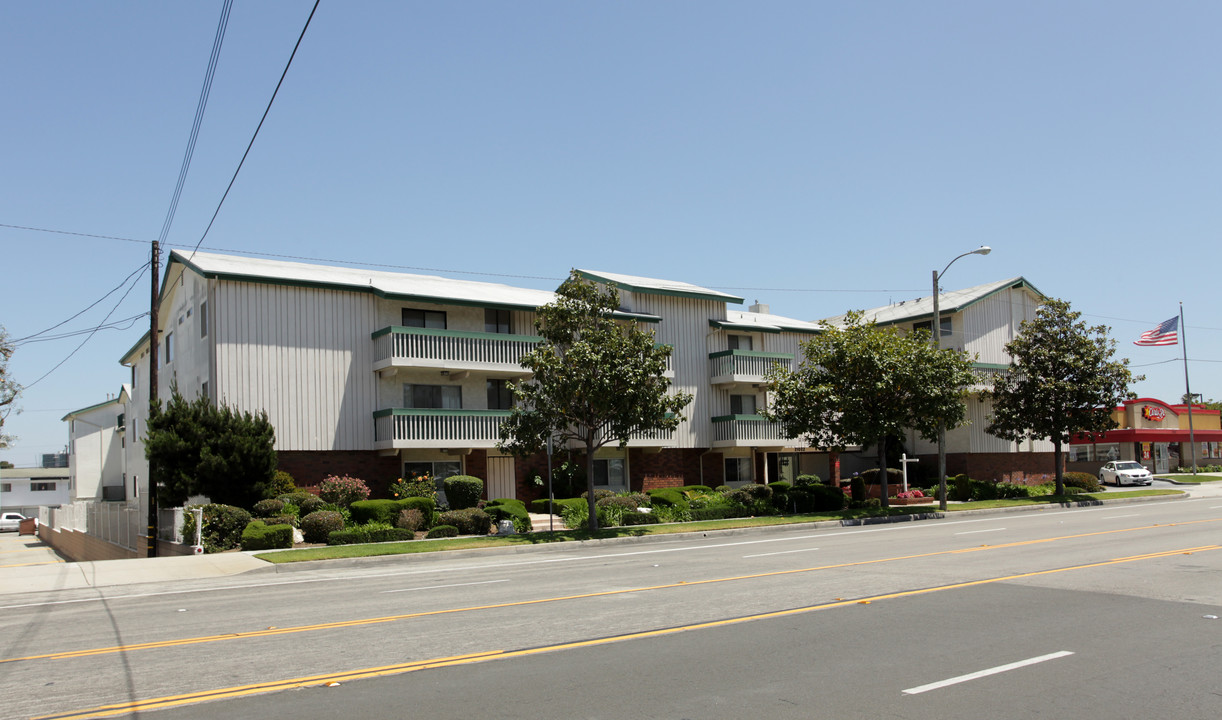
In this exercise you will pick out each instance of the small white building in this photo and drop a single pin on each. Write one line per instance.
(26, 490)
(96, 461)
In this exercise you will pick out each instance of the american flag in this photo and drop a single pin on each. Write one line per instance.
(1165, 334)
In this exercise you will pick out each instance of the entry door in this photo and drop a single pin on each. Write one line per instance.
(1160, 458)
(501, 478)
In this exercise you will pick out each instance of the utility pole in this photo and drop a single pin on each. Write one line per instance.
(153, 346)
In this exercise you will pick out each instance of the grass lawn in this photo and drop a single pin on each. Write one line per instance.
(537, 538)
(1190, 478)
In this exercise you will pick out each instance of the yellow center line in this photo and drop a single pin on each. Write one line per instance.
(30, 564)
(274, 631)
(137, 706)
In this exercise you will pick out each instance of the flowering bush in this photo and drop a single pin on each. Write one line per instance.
(415, 486)
(343, 490)
(911, 494)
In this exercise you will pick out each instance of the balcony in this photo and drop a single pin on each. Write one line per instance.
(745, 366)
(403, 428)
(399, 428)
(748, 431)
(404, 347)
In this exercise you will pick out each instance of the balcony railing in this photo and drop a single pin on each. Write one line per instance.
(414, 428)
(731, 366)
(451, 349)
(747, 431)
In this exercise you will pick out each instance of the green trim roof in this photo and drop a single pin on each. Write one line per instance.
(653, 286)
(949, 302)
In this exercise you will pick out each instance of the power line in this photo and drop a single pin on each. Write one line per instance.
(92, 332)
(30, 338)
(199, 118)
(124, 324)
(257, 128)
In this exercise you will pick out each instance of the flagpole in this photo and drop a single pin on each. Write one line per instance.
(1192, 441)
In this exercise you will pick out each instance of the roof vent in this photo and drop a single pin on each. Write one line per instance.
(759, 307)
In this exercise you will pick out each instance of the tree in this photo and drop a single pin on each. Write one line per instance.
(595, 380)
(859, 384)
(197, 448)
(1062, 381)
(9, 390)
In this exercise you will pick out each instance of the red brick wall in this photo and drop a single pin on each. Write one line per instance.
(682, 463)
(656, 482)
(1023, 467)
(310, 467)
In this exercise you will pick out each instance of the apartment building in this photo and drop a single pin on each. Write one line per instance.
(381, 375)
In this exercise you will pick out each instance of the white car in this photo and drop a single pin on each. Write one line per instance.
(1125, 472)
(10, 521)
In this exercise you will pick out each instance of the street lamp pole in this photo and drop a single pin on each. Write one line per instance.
(937, 343)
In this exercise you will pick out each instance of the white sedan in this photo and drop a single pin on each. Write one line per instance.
(1125, 472)
(10, 521)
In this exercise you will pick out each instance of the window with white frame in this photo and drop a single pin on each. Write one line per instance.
(609, 472)
(738, 470)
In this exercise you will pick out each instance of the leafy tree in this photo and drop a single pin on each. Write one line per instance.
(595, 380)
(860, 384)
(1062, 381)
(9, 390)
(197, 448)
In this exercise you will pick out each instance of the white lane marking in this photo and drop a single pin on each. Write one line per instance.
(1215, 507)
(986, 673)
(781, 552)
(439, 587)
(1117, 517)
(974, 532)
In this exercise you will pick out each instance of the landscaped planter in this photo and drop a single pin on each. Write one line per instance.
(910, 501)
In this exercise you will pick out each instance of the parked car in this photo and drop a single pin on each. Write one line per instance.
(10, 521)
(1124, 472)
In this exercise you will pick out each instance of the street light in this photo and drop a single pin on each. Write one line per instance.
(937, 343)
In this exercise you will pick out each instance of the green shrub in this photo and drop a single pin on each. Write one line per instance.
(807, 480)
(426, 505)
(639, 518)
(372, 533)
(367, 511)
(694, 488)
(316, 526)
(668, 497)
(514, 510)
(671, 513)
(343, 490)
(1082, 480)
(311, 503)
(268, 507)
(779, 486)
(282, 484)
(984, 490)
(895, 478)
(599, 494)
(414, 486)
(961, 488)
(618, 501)
(715, 513)
(825, 498)
(469, 521)
(1008, 491)
(442, 531)
(463, 491)
(261, 536)
(223, 526)
(290, 520)
(756, 491)
(295, 498)
(857, 488)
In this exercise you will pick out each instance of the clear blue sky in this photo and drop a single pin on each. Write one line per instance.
(816, 156)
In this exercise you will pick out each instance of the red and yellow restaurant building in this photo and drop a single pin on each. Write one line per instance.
(1154, 434)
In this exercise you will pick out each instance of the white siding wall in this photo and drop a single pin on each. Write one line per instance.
(97, 453)
(303, 355)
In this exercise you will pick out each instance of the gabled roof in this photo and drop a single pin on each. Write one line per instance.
(948, 302)
(653, 286)
(762, 322)
(402, 286)
(91, 408)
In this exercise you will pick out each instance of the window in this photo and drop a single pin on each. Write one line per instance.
(742, 404)
(6, 487)
(738, 470)
(203, 319)
(496, 321)
(927, 326)
(203, 391)
(433, 319)
(500, 397)
(439, 471)
(42, 486)
(739, 342)
(609, 472)
(434, 397)
(135, 378)
(169, 348)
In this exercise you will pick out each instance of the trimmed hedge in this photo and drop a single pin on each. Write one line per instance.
(693, 488)
(261, 536)
(817, 498)
(1082, 480)
(668, 497)
(509, 509)
(360, 535)
(442, 531)
(223, 526)
(387, 511)
(715, 513)
(469, 521)
(318, 525)
(268, 508)
(639, 518)
(463, 491)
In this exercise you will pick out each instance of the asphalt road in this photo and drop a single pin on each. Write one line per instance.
(1082, 613)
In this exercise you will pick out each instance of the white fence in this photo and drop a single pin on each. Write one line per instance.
(115, 523)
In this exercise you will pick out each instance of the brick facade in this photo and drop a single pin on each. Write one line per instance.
(310, 467)
(1020, 467)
